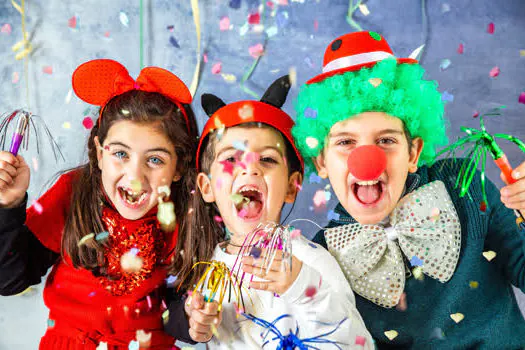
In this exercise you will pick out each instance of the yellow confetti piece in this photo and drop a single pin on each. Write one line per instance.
(229, 78)
(25, 291)
(522, 53)
(489, 255)
(391, 335)
(246, 111)
(66, 125)
(166, 316)
(125, 112)
(143, 338)
(238, 198)
(85, 239)
(375, 81)
(418, 273)
(136, 186)
(364, 9)
(166, 216)
(474, 284)
(131, 263)
(458, 317)
(293, 76)
(312, 142)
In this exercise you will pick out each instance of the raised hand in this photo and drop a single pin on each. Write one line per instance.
(14, 179)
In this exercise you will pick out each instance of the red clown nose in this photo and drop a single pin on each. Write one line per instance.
(367, 162)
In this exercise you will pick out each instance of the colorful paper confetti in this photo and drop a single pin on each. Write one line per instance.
(124, 19)
(521, 98)
(37, 206)
(6, 29)
(319, 198)
(88, 123)
(444, 64)
(310, 113)
(256, 50)
(47, 69)
(216, 68)
(447, 97)
(310, 291)
(457, 317)
(224, 24)
(375, 82)
(489, 255)
(391, 335)
(360, 340)
(461, 49)
(15, 77)
(490, 28)
(312, 142)
(314, 178)
(254, 18)
(227, 166)
(332, 215)
(72, 22)
(416, 261)
(473, 284)
(494, 72)
(246, 111)
(174, 42)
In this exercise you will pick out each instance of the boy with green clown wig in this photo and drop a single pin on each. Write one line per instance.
(430, 268)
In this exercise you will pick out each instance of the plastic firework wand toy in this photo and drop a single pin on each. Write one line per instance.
(475, 147)
(292, 340)
(25, 121)
(274, 239)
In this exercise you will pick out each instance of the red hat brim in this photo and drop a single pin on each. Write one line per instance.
(323, 76)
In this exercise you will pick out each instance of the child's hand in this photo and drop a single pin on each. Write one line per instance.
(513, 196)
(202, 317)
(277, 279)
(14, 179)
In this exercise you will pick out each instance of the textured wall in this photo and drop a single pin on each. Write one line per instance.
(299, 31)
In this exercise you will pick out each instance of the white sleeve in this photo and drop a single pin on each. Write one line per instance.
(333, 301)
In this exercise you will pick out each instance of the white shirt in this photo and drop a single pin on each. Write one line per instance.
(314, 316)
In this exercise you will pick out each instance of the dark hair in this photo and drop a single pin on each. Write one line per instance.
(204, 213)
(85, 214)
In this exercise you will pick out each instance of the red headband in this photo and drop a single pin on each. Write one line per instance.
(98, 81)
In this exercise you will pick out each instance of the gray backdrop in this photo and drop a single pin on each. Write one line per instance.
(297, 31)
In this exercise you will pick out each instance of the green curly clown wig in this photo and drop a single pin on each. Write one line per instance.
(402, 93)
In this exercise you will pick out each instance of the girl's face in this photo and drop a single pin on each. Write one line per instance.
(249, 187)
(135, 159)
(372, 201)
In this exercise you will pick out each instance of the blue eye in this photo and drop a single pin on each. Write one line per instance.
(120, 154)
(156, 160)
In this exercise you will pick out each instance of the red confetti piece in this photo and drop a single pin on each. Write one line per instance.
(269, 4)
(38, 207)
(256, 50)
(88, 123)
(254, 18)
(521, 99)
(310, 292)
(72, 22)
(216, 68)
(6, 28)
(461, 49)
(47, 69)
(483, 206)
(476, 114)
(494, 72)
(490, 28)
(360, 340)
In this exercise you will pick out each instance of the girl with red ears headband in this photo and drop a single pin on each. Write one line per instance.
(98, 227)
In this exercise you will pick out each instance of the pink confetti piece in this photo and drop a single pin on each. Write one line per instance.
(316, 25)
(15, 77)
(72, 22)
(282, 2)
(38, 207)
(310, 292)
(217, 218)
(205, 58)
(254, 18)
(35, 163)
(256, 50)
(6, 28)
(319, 198)
(296, 233)
(47, 69)
(224, 24)
(461, 49)
(360, 340)
(494, 72)
(251, 157)
(521, 99)
(216, 68)
(269, 4)
(106, 34)
(491, 28)
(88, 123)
(402, 305)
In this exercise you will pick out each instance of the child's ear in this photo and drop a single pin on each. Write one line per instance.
(205, 186)
(415, 153)
(100, 150)
(294, 185)
(320, 166)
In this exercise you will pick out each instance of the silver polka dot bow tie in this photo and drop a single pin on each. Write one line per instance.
(424, 227)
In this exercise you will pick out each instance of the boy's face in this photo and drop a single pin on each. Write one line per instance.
(371, 202)
(258, 176)
(135, 160)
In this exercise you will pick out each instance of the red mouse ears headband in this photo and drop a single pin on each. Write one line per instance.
(98, 81)
(267, 111)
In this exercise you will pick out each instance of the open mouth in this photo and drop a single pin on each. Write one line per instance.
(368, 193)
(132, 198)
(252, 204)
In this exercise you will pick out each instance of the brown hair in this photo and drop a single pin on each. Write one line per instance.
(204, 213)
(85, 214)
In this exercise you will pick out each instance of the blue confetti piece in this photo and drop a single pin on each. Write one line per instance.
(91, 295)
(102, 236)
(133, 345)
(240, 145)
(256, 252)
(310, 113)
(444, 64)
(272, 31)
(312, 245)
(235, 4)
(415, 261)
(447, 97)
(327, 195)
(134, 251)
(174, 42)
(332, 215)
(171, 279)
(50, 323)
(314, 178)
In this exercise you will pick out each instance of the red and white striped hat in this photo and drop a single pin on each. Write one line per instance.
(353, 51)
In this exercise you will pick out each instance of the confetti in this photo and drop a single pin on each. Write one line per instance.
(72, 22)
(87, 122)
(332, 215)
(444, 64)
(402, 304)
(136, 186)
(166, 215)
(143, 338)
(310, 292)
(457, 317)
(256, 252)
(85, 239)
(310, 113)
(66, 125)
(461, 49)
(319, 198)
(282, 19)
(314, 179)
(272, 31)
(447, 97)
(490, 28)
(476, 114)
(102, 236)
(229, 78)
(473, 284)
(244, 29)
(295, 233)
(483, 206)
(47, 69)
(224, 24)
(522, 53)
(437, 333)
(15, 77)
(375, 81)
(416, 261)
(37, 206)
(494, 72)
(256, 50)
(489, 255)
(174, 42)
(170, 280)
(391, 335)
(68, 96)
(238, 198)
(124, 19)
(35, 163)
(130, 262)
(239, 145)
(360, 340)
(106, 34)
(252, 157)
(364, 9)
(292, 73)
(418, 273)
(521, 99)
(170, 28)
(235, 4)
(246, 111)
(216, 68)
(254, 18)
(312, 142)
(6, 29)
(217, 218)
